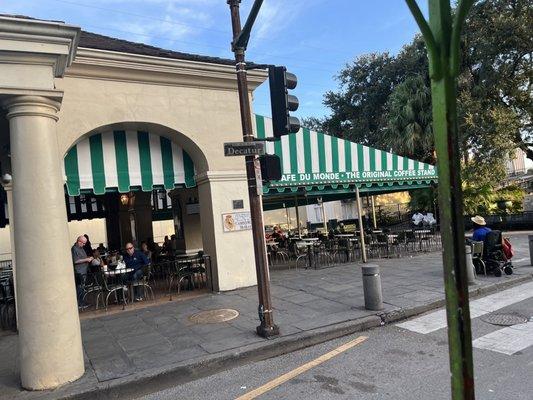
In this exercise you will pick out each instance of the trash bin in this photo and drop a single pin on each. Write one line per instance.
(372, 287)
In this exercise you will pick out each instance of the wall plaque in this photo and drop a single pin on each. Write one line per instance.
(238, 204)
(236, 221)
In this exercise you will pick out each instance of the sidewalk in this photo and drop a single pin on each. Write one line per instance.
(160, 346)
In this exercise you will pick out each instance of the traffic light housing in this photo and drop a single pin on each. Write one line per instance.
(270, 167)
(282, 102)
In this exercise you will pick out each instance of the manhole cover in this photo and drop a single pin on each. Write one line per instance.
(504, 319)
(214, 316)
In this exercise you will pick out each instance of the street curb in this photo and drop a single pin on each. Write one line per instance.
(147, 382)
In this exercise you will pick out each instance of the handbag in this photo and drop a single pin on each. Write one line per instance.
(507, 248)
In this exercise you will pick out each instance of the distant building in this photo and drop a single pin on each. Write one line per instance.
(516, 165)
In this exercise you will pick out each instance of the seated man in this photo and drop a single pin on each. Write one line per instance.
(480, 229)
(137, 260)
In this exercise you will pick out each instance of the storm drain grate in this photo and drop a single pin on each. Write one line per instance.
(214, 316)
(504, 319)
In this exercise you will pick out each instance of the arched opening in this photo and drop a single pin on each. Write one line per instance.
(133, 182)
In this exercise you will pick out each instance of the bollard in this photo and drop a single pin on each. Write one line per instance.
(372, 287)
(470, 270)
(530, 249)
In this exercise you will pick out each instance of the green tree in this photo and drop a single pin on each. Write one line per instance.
(498, 69)
(373, 104)
(408, 130)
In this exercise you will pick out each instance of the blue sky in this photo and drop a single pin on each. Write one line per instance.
(313, 38)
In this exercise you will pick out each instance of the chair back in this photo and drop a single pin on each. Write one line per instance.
(147, 271)
(477, 249)
(492, 242)
(100, 279)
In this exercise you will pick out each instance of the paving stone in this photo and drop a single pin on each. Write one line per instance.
(107, 368)
(138, 342)
(107, 347)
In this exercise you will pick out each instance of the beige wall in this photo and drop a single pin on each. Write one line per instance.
(193, 104)
(162, 229)
(5, 244)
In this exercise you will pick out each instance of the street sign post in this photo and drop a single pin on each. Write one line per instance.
(244, 149)
(267, 327)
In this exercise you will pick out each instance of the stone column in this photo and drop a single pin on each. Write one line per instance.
(232, 252)
(50, 347)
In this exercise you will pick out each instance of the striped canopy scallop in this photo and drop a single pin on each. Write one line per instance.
(125, 160)
(313, 159)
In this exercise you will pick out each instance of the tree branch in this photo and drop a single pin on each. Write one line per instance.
(427, 34)
(458, 22)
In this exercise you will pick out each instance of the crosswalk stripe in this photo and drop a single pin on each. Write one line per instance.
(437, 320)
(507, 340)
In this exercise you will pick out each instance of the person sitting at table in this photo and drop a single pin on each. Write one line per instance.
(87, 246)
(136, 260)
(95, 266)
(153, 247)
(97, 261)
(146, 251)
(278, 236)
(166, 245)
(101, 248)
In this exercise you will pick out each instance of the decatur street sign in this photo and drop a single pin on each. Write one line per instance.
(244, 149)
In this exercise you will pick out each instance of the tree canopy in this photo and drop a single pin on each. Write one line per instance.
(383, 100)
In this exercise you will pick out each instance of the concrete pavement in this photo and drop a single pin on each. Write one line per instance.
(392, 363)
(161, 346)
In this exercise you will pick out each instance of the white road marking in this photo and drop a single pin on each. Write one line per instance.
(507, 340)
(437, 320)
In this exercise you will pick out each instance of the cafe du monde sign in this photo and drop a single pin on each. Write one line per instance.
(358, 176)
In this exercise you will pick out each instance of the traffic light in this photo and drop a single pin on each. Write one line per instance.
(282, 102)
(270, 167)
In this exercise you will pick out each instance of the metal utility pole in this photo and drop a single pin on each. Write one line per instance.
(442, 36)
(361, 227)
(297, 216)
(267, 328)
(374, 221)
(287, 215)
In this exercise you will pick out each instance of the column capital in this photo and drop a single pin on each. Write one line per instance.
(41, 106)
(220, 176)
(8, 187)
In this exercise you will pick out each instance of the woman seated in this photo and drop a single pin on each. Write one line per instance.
(146, 251)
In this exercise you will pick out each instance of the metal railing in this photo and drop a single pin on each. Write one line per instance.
(335, 250)
(8, 319)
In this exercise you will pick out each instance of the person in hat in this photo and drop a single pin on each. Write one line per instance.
(480, 228)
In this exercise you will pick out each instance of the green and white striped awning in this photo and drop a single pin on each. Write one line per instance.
(126, 160)
(314, 160)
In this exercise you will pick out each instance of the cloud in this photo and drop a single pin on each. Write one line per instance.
(275, 16)
(152, 32)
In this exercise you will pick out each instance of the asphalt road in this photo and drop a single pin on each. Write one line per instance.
(393, 363)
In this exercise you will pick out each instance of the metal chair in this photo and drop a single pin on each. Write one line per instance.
(144, 282)
(91, 285)
(109, 289)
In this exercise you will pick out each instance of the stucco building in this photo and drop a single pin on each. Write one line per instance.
(70, 100)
